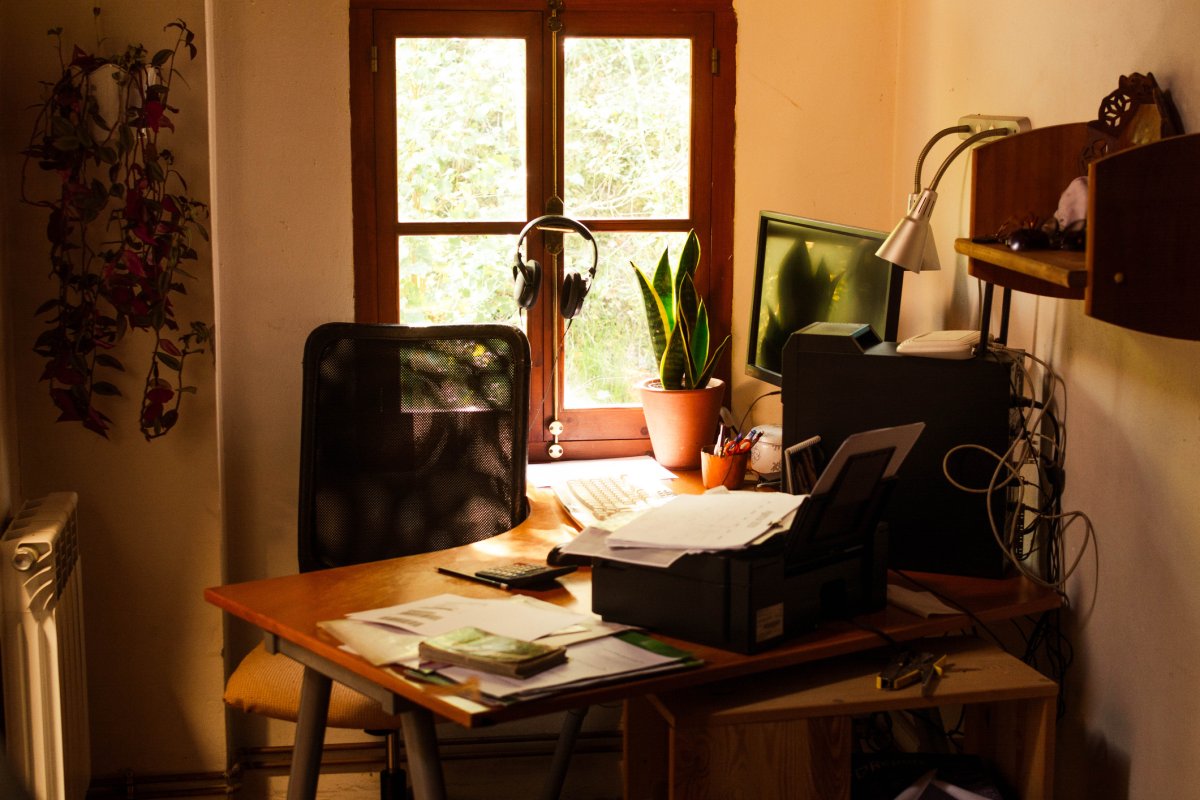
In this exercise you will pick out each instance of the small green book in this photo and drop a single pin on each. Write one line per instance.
(488, 652)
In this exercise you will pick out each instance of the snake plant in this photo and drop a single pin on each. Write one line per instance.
(678, 320)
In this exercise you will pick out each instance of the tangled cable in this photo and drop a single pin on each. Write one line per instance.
(1033, 535)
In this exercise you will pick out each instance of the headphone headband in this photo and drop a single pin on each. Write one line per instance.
(528, 276)
(560, 224)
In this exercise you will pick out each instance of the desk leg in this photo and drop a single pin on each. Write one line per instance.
(645, 750)
(420, 744)
(310, 735)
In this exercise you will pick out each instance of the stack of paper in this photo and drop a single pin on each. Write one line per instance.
(716, 520)
(597, 651)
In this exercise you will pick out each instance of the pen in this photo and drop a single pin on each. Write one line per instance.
(477, 578)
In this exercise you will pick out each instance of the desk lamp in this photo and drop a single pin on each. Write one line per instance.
(910, 245)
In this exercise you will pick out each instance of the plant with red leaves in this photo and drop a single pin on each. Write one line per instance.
(120, 229)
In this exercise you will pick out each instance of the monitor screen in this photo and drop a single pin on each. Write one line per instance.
(809, 271)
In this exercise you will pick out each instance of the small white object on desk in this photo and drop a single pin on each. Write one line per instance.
(766, 456)
(923, 604)
(956, 345)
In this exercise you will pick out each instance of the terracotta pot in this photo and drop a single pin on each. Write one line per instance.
(681, 421)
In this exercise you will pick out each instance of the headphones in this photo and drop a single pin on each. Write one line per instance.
(527, 275)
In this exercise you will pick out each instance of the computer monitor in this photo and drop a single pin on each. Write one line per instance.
(811, 271)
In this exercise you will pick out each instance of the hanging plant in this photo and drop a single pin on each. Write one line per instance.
(120, 230)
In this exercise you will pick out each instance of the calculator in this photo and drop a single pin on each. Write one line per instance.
(515, 575)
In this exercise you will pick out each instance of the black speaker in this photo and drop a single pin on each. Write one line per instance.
(527, 275)
(832, 388)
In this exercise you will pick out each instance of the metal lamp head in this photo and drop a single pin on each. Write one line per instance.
(910, 245)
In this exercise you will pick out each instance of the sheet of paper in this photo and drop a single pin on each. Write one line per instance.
(923, 604)
(513, 616)
(707, 521)
(378, 644)
(594, 542)
(601, 658)
(900, 437)
(637, 467)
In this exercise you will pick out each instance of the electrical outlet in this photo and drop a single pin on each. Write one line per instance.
(984, 122)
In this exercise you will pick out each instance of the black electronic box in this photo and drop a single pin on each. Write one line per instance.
(840, 380)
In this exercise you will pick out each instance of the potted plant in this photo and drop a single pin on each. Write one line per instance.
(121, 226)
(683, 402)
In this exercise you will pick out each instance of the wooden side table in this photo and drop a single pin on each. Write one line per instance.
(787, 734)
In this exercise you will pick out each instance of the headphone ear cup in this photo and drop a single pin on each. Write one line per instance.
(527, 280)
(574, 289)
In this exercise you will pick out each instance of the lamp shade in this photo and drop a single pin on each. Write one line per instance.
(910, 245)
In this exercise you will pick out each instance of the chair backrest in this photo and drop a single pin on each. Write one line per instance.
(413, 439)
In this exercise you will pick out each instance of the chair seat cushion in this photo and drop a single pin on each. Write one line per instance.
(270, 685)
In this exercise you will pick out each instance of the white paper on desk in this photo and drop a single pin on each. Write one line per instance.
(707, 521)
(513, 616)
(637, 468)
(378, 644)
(602, 658)
(923, 604)
(900, 437)
(593, 542)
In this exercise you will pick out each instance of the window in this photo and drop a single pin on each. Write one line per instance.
(468, 123)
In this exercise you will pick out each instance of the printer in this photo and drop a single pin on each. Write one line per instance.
(831, 562)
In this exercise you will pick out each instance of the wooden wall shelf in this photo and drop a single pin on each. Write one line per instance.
(1138, 271)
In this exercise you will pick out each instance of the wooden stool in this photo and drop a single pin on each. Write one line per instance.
(787, 734)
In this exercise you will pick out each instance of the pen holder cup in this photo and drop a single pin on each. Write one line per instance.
(718, 470)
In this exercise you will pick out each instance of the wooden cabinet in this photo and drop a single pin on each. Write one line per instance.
(1143, 206)
(789, 734)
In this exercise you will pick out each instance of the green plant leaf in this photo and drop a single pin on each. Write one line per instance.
(689, 259)
(672, 368)
(687, 303)
(105, 360)
(664, 287)
(656, 314)
(706, 373)
(105, 389)
(170, 361)
(698, 341)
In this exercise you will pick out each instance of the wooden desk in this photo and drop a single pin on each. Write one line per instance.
(288, 609)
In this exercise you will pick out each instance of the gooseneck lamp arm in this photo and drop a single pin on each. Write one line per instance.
(937, 137)
(910, 245)
(963, 145)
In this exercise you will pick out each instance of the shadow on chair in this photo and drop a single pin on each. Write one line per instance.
(413, 439)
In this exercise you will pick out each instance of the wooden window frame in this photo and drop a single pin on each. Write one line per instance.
(592, 433)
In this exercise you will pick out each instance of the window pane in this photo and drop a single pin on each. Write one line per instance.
(460, 129)
(456, 279)
(627, 115)
(608, 347)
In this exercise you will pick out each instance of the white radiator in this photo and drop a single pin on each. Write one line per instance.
(45, 690)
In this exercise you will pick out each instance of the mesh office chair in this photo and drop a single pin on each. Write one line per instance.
(412, 440)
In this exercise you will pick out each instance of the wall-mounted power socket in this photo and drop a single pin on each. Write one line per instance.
(984, 122)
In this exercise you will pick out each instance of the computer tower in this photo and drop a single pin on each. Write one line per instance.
(841, 382)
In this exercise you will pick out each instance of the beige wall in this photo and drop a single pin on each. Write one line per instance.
(149, 512)
(815, 117)
(284, 256)
(9, 484)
